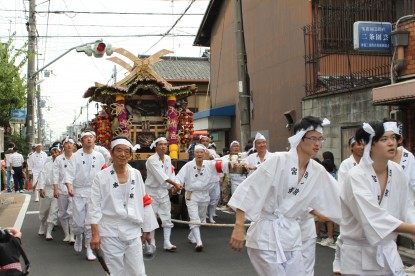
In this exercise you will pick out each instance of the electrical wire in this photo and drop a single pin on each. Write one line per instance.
(171, 28)
(104, 12)
(101, 36)
(46, 38)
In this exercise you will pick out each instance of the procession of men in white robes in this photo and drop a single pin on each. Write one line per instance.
(85, 164)
(281, 240)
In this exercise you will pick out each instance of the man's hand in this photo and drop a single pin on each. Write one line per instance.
(95, 242)
(238, 237)
(70, 190)
(146, 237)
(55, 192)
(42, 193)
(15, 233)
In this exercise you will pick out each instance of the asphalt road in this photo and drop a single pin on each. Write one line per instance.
(57, 258)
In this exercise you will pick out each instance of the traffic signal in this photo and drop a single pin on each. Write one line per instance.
(99, 48)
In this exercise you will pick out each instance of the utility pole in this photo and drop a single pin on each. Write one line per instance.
(39, 116)
(244, 98)
(31, 78)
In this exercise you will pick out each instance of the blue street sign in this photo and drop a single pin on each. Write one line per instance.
(18, 115)
(372, 36)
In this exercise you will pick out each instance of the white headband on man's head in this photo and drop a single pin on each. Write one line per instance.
(88, 133)
(156, 141)
(203, 136)
(123, 141)
(391, 126)
(68, 140)
(258, 137)
(296, 138)
(200, 147)
(234, 142)
(366, 152)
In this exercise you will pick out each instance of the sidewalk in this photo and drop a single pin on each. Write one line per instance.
(13, 208)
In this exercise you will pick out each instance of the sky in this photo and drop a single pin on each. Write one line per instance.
(63, 24)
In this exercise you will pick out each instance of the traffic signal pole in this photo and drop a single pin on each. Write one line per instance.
(244, 97)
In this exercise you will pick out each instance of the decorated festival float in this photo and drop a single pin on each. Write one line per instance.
(143, 106)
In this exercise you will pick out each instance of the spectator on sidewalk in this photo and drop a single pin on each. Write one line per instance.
(16, 162)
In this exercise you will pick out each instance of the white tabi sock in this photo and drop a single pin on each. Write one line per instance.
(78, 243)
(89, 254)
(211, 211)
(42, 228)
(49, 232)
(196, 235)
(153, 238)
(65, 228)
(167, 233)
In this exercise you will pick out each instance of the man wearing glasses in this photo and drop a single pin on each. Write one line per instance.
(292, 184)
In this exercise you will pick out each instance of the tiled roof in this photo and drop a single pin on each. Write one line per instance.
(183, 68)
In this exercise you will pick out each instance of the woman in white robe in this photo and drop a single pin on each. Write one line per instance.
(279, 192)
(119, 212)
(375, 206)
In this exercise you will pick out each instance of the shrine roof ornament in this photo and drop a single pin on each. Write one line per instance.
(142, 77)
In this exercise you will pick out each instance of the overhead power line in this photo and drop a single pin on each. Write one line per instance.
(101, 36)
(104, 12)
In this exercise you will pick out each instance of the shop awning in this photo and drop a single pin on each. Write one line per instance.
(214, 118)
(224, 111)
(394, 94)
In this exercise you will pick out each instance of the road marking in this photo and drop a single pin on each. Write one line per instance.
(20, 217)
(32, 212)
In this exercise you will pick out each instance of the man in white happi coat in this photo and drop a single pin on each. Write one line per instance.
(84, 165)
(160, 179)
(196, 175)
(104, 152)
(35, 164)
(290, 184)
(48, 207)
(120, 211)
(60, 191)
(356, 148)
(375, 206)
(237, 158)
(254, 160)
(214, 192)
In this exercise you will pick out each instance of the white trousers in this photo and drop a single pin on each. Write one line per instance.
(214, 194)
(124, 258)
(265, 263)
(79, 211)
(63, 204)
(48, 210)
(197, 212)
(308, 252)
(162, 208)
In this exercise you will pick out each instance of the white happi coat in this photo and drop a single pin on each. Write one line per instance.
(113, 218)
(345, 167)
(45, 180)
(80, 174)
(60, 166)
(104, 152)
(408, 165)
(198, 184)
(273, 198)
(253, 159)
(157, 174)
(35, 164)
(367, 226)
(48, 207)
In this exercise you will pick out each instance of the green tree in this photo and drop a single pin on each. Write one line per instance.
(12, 86)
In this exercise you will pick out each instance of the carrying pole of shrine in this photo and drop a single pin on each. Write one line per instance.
(242, 84)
